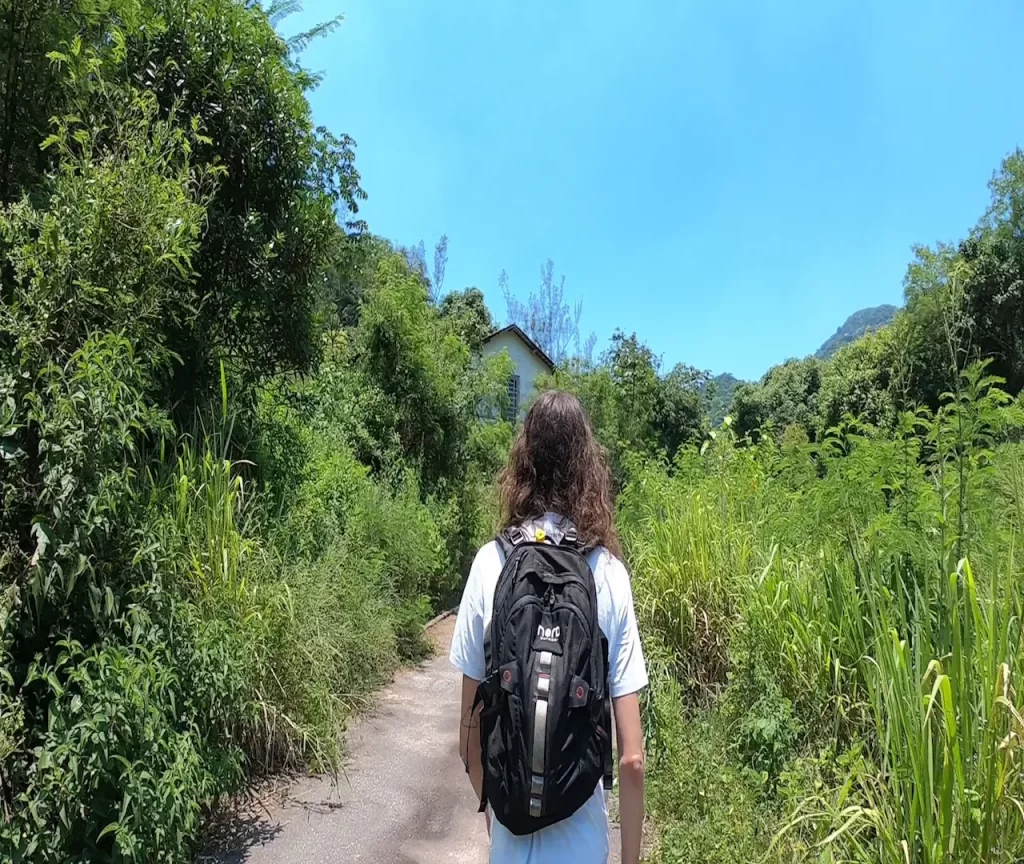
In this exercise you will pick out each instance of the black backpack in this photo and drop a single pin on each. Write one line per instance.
(546, 719)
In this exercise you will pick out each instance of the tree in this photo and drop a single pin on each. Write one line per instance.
(271, 225)
(416, 388)
(547, 318)
(786, 395)
(858, 380)
(994, 291)
(90, 275)
(468, 314)
(32, 90)
(634, 368)
(937, 336)
(416, 258)
(680, 416)
(350, 269)
(219, 69)
(440, 263)
(183, 217)
(92, 267)
(718, 394)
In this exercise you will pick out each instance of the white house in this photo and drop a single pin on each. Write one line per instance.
(530, 363)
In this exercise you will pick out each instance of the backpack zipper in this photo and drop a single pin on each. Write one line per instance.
(522, 601)
(494, 612)
(579, 617)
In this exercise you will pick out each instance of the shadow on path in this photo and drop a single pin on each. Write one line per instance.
(231, 835)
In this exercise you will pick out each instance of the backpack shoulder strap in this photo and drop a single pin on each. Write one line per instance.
(573, 540)
(508, 539)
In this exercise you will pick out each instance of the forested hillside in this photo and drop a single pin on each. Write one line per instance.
(860, 322)
(720, 392)
(965, 300)
(963, 303)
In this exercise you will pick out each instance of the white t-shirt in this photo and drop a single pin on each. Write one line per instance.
(583, 837)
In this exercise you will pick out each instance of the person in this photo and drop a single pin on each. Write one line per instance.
(557, 480)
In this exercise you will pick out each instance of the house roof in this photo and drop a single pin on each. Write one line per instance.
(517, 331)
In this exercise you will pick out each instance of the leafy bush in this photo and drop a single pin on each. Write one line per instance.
(117, 775)
(705, 806)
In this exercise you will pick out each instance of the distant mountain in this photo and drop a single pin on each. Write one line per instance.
(721, 397)
(859, 323)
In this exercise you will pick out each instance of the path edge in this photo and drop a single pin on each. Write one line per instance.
(437, 619)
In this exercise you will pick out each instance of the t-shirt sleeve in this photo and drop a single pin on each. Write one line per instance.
(627, 671)
(467, 651)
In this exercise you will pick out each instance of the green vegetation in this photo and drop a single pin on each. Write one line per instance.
(720, 392)
(634, 408)
(848, 614)
(859, 323)
(241, 461)
(831, 590)
(962, 303)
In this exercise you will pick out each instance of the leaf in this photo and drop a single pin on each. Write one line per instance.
(44, 539)
(223, 393)
(55, 685)
(9, 449)
(108, 829)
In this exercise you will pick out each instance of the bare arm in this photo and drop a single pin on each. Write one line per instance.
(469, 735)
(630, 735)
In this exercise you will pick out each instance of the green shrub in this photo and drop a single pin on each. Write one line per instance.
(706, 807)
(123, 767)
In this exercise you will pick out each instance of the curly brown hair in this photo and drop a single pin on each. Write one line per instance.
(556, 465)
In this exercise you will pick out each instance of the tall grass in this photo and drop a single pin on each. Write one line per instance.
(318, 602)
(851, 611)
(948, 732)
(691, 549)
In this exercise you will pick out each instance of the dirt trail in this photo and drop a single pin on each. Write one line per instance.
(403, 798)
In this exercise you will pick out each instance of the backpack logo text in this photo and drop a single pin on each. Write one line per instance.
(548, 634)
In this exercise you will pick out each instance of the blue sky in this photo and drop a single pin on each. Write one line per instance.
(728, 179)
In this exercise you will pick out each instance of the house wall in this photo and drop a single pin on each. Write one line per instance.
(529, 367)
